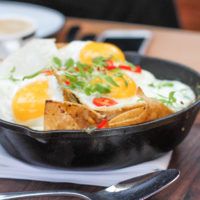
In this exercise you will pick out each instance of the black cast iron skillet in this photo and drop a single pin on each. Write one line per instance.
(108, 148)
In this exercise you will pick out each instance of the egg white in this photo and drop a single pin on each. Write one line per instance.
(72, 50)
(183, 93)
(30, 58)
(6, 93)
(141, 80)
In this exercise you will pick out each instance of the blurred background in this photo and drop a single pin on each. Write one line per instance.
(183, 14)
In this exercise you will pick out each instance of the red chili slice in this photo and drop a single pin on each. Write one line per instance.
(102, 101)
(138, 69)
(103, 123)
(125, 67)
(67, 82)
(47, 72)
(110, 67)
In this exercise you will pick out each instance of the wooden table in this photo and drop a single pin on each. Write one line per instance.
(180, 46)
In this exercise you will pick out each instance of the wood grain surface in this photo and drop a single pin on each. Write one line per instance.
(167, 43)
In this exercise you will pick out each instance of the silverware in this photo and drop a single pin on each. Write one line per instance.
(139, 188)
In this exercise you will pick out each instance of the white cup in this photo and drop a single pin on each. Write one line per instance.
(15, 30)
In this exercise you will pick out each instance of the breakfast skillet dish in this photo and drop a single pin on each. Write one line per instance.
(83, 85)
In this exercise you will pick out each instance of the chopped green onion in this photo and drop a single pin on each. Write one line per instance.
(32, 75)
(99, 62)
(71, 77)
(151, 85)
(80, 84)
(110, 80)
(11, 77)
(166, 84)
(57, 61)
(120, 75)
(161, 85)
(69, 63)
(170, 100)
(88, 90)
(81, 69)
(102, 89)
(13, 70)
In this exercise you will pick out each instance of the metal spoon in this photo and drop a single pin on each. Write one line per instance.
(134, 189)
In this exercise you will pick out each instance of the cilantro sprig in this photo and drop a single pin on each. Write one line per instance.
(32, 75)
(69, 63)
(170, 100)
(161, 84)
(99, 61)
(91, 78)
(11, 76)
(57, 62)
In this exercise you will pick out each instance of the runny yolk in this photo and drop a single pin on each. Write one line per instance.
(29, 101)
(126, 88)
(99, 49)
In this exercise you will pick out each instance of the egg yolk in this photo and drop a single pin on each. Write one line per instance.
(126, 86)
(98, 49)
(29, 101)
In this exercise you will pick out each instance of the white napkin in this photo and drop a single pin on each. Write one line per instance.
(15, 169)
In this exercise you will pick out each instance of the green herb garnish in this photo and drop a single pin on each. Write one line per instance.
(13, 70)
(151, 85)
(91, 78)
(71, 77)
(69, 63)
(99, 62)
(32, 75)
(161, 85)
(57, 62)
(120, 74)
(102, 89)
(110, 80)
(11, 76)
(170, 100)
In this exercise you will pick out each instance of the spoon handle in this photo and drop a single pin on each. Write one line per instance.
(17, 195)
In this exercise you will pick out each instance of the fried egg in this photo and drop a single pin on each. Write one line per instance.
(27, 98)
(126, 94)
(85, 51)
(173, 94)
